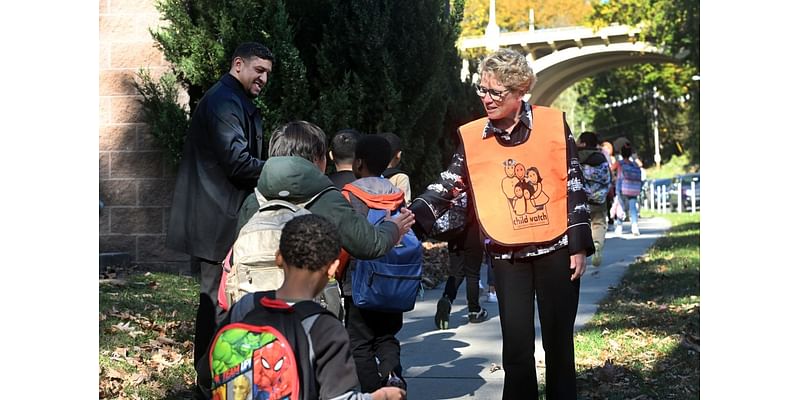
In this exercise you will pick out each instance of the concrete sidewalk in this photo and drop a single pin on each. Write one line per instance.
(457, 363)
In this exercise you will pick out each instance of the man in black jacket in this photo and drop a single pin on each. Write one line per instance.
(220, 166)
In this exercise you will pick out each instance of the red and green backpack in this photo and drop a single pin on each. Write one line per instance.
(262, 351)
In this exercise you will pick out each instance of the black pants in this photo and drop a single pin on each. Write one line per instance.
(463, 265)
(209, 314)
(372, 334)
(517, 281)
(466, 255)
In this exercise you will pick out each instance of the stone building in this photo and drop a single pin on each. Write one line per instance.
(136, 182)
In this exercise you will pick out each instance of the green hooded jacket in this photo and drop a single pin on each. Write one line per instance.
(297, 180)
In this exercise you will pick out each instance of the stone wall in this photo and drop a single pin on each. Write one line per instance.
(136, 183)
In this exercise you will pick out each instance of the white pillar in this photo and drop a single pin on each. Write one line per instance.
(464, 70)
(530, 19)
(657, 155)
(492, 30)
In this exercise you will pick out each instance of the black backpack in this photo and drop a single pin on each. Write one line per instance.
(263, 345)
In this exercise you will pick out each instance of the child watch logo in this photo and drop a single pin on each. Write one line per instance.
(527, 200)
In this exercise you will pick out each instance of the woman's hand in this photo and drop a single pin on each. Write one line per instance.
(577, 262)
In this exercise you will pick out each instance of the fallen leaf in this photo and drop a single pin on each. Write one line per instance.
(113, 373)
(133, 334)
(120, 351)
(122, 327)
(166, 340)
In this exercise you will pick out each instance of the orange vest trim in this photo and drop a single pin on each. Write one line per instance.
(519, 192)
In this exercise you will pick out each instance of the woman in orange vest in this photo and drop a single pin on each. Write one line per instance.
(537, 250)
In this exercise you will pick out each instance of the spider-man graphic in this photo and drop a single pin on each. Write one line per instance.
(274, 371)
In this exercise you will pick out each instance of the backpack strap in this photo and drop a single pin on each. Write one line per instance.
(264, 204)
(314, 198)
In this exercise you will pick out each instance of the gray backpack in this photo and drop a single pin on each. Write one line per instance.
(252, 268)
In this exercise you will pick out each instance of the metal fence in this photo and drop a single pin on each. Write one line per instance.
(657, 198)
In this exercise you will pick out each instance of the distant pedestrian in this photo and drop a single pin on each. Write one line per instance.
(220, 166)
(597, 176)
(629, 184)
(608, 151)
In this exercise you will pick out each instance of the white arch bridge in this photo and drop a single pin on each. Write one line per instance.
(562, 56)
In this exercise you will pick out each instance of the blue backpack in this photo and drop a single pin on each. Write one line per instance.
(390, 283)
(597, 182)
(631, 178)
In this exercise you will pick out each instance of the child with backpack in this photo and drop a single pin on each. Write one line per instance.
(280, 344)
(378, 291)
(293, 177)
(597, 183)
(629, 184)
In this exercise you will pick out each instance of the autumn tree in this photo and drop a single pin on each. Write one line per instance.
(674, 25)
(513, 15)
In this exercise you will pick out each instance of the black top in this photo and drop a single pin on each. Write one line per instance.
(220, 166)
(342, 178)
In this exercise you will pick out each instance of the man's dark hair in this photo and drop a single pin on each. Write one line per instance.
(626, 150)
(300, 139)
(247, 50)
(589, 139)
(394, 141)
(309, 242)
(343, 145)
(375, 151)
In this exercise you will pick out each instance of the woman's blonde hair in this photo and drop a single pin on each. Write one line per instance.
(510, 68)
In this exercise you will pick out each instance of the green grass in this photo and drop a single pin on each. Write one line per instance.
(146, 330)
(640, 344)
(675, 166)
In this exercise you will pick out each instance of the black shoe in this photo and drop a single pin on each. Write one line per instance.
(480, 316)
(442, 317)
(396, 381)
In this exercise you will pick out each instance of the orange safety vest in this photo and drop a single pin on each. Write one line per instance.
(520, 192)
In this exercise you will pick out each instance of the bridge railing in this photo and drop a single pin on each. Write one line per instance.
(550, 35)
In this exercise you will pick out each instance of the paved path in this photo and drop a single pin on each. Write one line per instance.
(455, 363)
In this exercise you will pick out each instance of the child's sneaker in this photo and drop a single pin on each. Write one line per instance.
(618, 230)
(480, 316)
(491, 297)
(442, 317)
(597, 257)
(396, 381)
(635, 229)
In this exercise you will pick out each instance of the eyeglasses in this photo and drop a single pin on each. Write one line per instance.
(494, 94)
